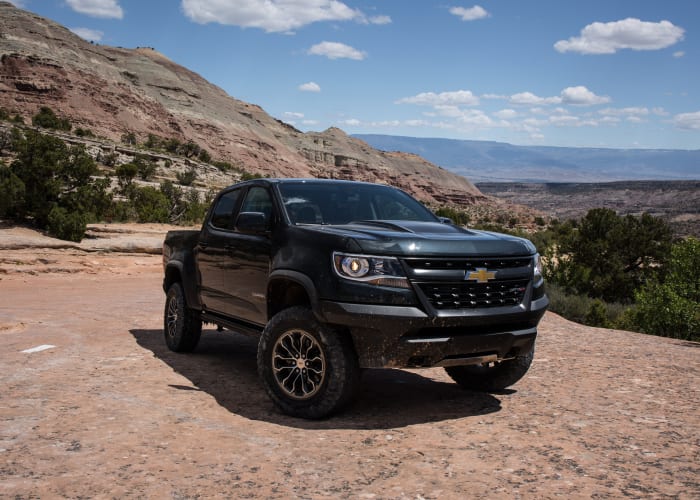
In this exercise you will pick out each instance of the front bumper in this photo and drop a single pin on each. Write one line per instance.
(407, 337)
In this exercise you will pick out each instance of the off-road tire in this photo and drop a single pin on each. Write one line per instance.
(491, 377)
(309, 369)
(182, 326)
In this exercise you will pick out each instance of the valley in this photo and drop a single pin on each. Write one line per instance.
(678, 202)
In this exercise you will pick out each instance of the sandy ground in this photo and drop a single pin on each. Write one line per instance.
(108, 412)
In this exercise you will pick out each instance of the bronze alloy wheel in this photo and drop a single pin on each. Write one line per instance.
(171, 317)
(299, 364)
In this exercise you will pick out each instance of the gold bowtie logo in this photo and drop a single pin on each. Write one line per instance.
(481, 275)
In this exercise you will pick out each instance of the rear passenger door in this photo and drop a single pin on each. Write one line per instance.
(212, 251)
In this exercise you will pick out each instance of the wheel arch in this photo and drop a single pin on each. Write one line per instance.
(175, 272)
(287, 289)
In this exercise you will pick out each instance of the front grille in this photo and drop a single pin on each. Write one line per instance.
(473, 295)
(468, 264)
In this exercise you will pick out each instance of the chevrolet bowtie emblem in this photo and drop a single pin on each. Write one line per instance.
(481, 275)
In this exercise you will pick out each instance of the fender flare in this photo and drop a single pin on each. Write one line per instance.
(188, 281)
(302, 280)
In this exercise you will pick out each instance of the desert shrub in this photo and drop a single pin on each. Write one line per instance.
(459, 217)
(597, 315)
(66, 225)
(607, 256)
(12, 193)
(55, 176)
(151, 205)
(109, 160)
(84, 132)
(129, 138)
(46, 118)
(204, 156)
(671, 308)
(224, 166)
(187, 177)
(126, 172)
(145, 167)
(185, 206)
(4, 114)
(585, 310)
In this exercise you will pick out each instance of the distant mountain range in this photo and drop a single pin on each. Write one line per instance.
(485, 161)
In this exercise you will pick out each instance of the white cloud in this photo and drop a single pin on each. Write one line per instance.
(687, 121)
(88, 34)
(475, 118)
(581, 96)
(455, 98)
(506, 114)
(310, 87)
(469, 14)
(678, 54)
(530, 99)
(294, 115)
(109, 9)
(269, 15)
(335, 50)
(630, 33)
(659, 111)
(576, 96)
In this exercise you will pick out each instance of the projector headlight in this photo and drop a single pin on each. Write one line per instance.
(381, 271)
(538, 269)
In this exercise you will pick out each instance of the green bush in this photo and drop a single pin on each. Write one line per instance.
(46, 118)
(66, 225)
(186, 178)
(151, 205)
(672, 308)
(12, 193)
(607, 256)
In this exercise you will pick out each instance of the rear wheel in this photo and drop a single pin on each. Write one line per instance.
(491, 377)
(182, 326)
(309, 369)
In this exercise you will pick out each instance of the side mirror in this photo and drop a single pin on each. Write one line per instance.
(251, 222)
(446, 220)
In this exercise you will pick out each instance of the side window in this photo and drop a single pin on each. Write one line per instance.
(258, 200)
(221, 216)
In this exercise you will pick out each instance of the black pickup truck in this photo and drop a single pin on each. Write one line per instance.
(336, 276)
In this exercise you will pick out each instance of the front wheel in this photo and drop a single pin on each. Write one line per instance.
(309, 370)
(490, 377)
(182, 326)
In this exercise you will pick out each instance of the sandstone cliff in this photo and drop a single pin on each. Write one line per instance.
(112, 91)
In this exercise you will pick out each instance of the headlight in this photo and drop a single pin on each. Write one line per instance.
(538, 268)
(382, 271)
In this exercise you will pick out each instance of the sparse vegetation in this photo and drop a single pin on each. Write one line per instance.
(46, 118)
(51, 185)
(187, 177)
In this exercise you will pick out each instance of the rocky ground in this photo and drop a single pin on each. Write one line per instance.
(93, 404)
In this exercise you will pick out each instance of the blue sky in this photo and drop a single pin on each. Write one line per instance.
(594, 73)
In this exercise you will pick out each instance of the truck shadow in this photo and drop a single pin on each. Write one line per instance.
(224, 366)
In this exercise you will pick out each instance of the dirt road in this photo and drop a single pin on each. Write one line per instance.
(93, 405)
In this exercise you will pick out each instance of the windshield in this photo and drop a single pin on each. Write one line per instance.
(341, 203)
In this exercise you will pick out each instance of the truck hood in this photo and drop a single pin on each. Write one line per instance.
(407, 238)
